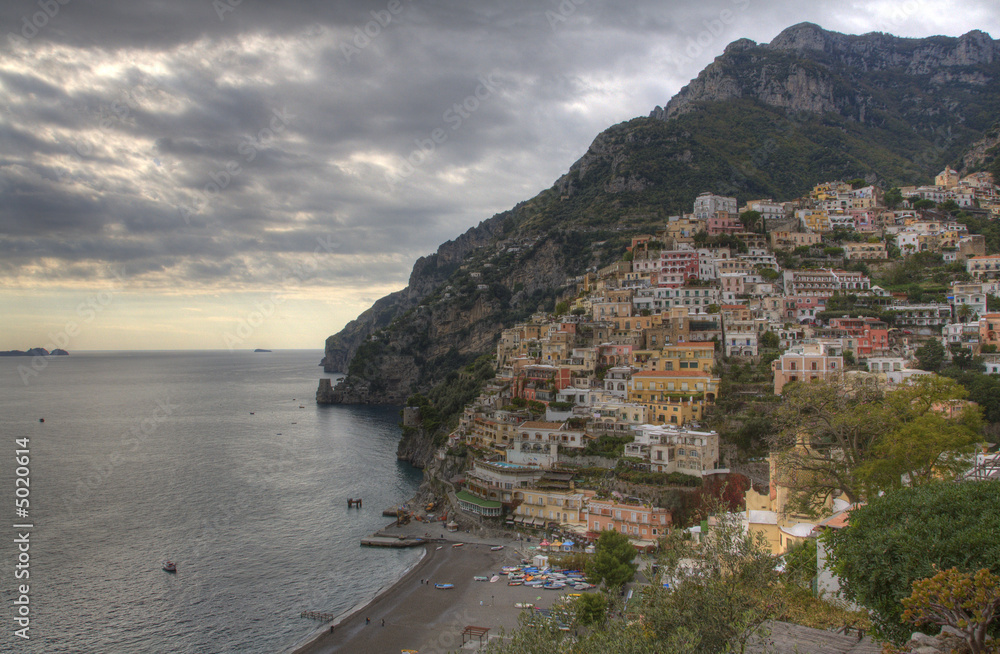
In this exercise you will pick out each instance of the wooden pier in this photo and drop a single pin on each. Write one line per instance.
(316, 615)
(352, 502)
(391, 541)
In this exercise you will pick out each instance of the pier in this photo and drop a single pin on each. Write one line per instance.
(352, 502)
(391, 541)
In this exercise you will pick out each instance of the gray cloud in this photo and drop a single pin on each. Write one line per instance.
(207, 152)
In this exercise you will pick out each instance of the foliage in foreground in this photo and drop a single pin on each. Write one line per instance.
(721, 594)
(962, 600)
(910, 534)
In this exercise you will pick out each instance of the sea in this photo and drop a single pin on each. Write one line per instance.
(219, 461)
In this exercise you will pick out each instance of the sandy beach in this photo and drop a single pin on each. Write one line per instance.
(421, 617)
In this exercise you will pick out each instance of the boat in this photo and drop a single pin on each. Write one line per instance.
(554, 585)
(169, 566)
(444, 586)
(480, 578)
(458, 544)
(496, 548)
(515, 582)
(494, 579)
(438, 547)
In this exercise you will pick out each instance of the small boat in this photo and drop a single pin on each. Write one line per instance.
(554, 585)
(496, 548)
(438, 547)
(444, 586)
(515, 582)
(480, 578)
(169, 566)
(458, 544)
(523, 605)
(494, 579)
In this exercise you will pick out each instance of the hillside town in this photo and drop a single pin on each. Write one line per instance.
(627, 373)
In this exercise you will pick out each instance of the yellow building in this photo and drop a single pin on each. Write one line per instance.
(770, 514)
(673, 396)
(566, 508)
(687, 356)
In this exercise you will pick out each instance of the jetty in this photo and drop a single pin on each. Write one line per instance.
(352, 502)
(391, 541)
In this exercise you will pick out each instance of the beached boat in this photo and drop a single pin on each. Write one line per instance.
(444, 586)
(496, 548)
(494, 579)
(458, 544)
(169, 566)
(480, 578)
(515, 583)
(554, 585)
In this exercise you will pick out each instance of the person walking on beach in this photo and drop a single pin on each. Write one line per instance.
(383, 622)
(368, 620)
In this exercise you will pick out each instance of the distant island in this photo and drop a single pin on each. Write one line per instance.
(261, 350)
(34, 352)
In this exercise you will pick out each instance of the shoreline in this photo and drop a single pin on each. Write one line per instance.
(413, 614)
(314, 640)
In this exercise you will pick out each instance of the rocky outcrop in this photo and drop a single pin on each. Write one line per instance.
(807, 68)
(416, 446)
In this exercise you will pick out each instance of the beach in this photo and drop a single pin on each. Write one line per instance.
(420, 617)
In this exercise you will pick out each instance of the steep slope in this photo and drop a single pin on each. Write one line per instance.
(761, 121)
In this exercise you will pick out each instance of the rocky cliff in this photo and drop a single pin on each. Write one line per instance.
(807, 68)
(761, 121)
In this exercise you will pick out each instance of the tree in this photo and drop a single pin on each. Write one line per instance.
(909, 534)
(964, 313)
(752, 221)
(851, 437)
(613, 561)
(849, 359)
(723, 587)
(961, 600)
(892, 198)
(924, 204)
(930, 355)
(825, 432)
(770, 340)
(591, 608)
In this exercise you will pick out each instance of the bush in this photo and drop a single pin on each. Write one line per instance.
(910, 534)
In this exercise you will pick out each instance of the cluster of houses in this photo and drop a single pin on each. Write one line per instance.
(635, 353)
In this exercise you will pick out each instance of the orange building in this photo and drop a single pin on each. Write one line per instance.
(640, 522)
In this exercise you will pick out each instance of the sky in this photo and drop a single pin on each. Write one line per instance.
(239, 174)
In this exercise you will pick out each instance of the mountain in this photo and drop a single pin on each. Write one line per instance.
(763, 120)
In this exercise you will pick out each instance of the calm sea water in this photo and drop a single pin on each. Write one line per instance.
(219, 461)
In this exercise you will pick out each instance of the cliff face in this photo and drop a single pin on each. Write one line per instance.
(807, 68)
(428, 273)
(446, 328)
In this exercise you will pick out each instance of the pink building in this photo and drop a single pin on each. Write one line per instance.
(677, 267)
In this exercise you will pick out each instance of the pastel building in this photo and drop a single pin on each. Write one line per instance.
(640, 522)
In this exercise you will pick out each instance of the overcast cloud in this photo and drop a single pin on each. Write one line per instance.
(241, 146)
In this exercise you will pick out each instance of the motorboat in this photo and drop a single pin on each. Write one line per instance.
(169, 566)
(444, 586)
